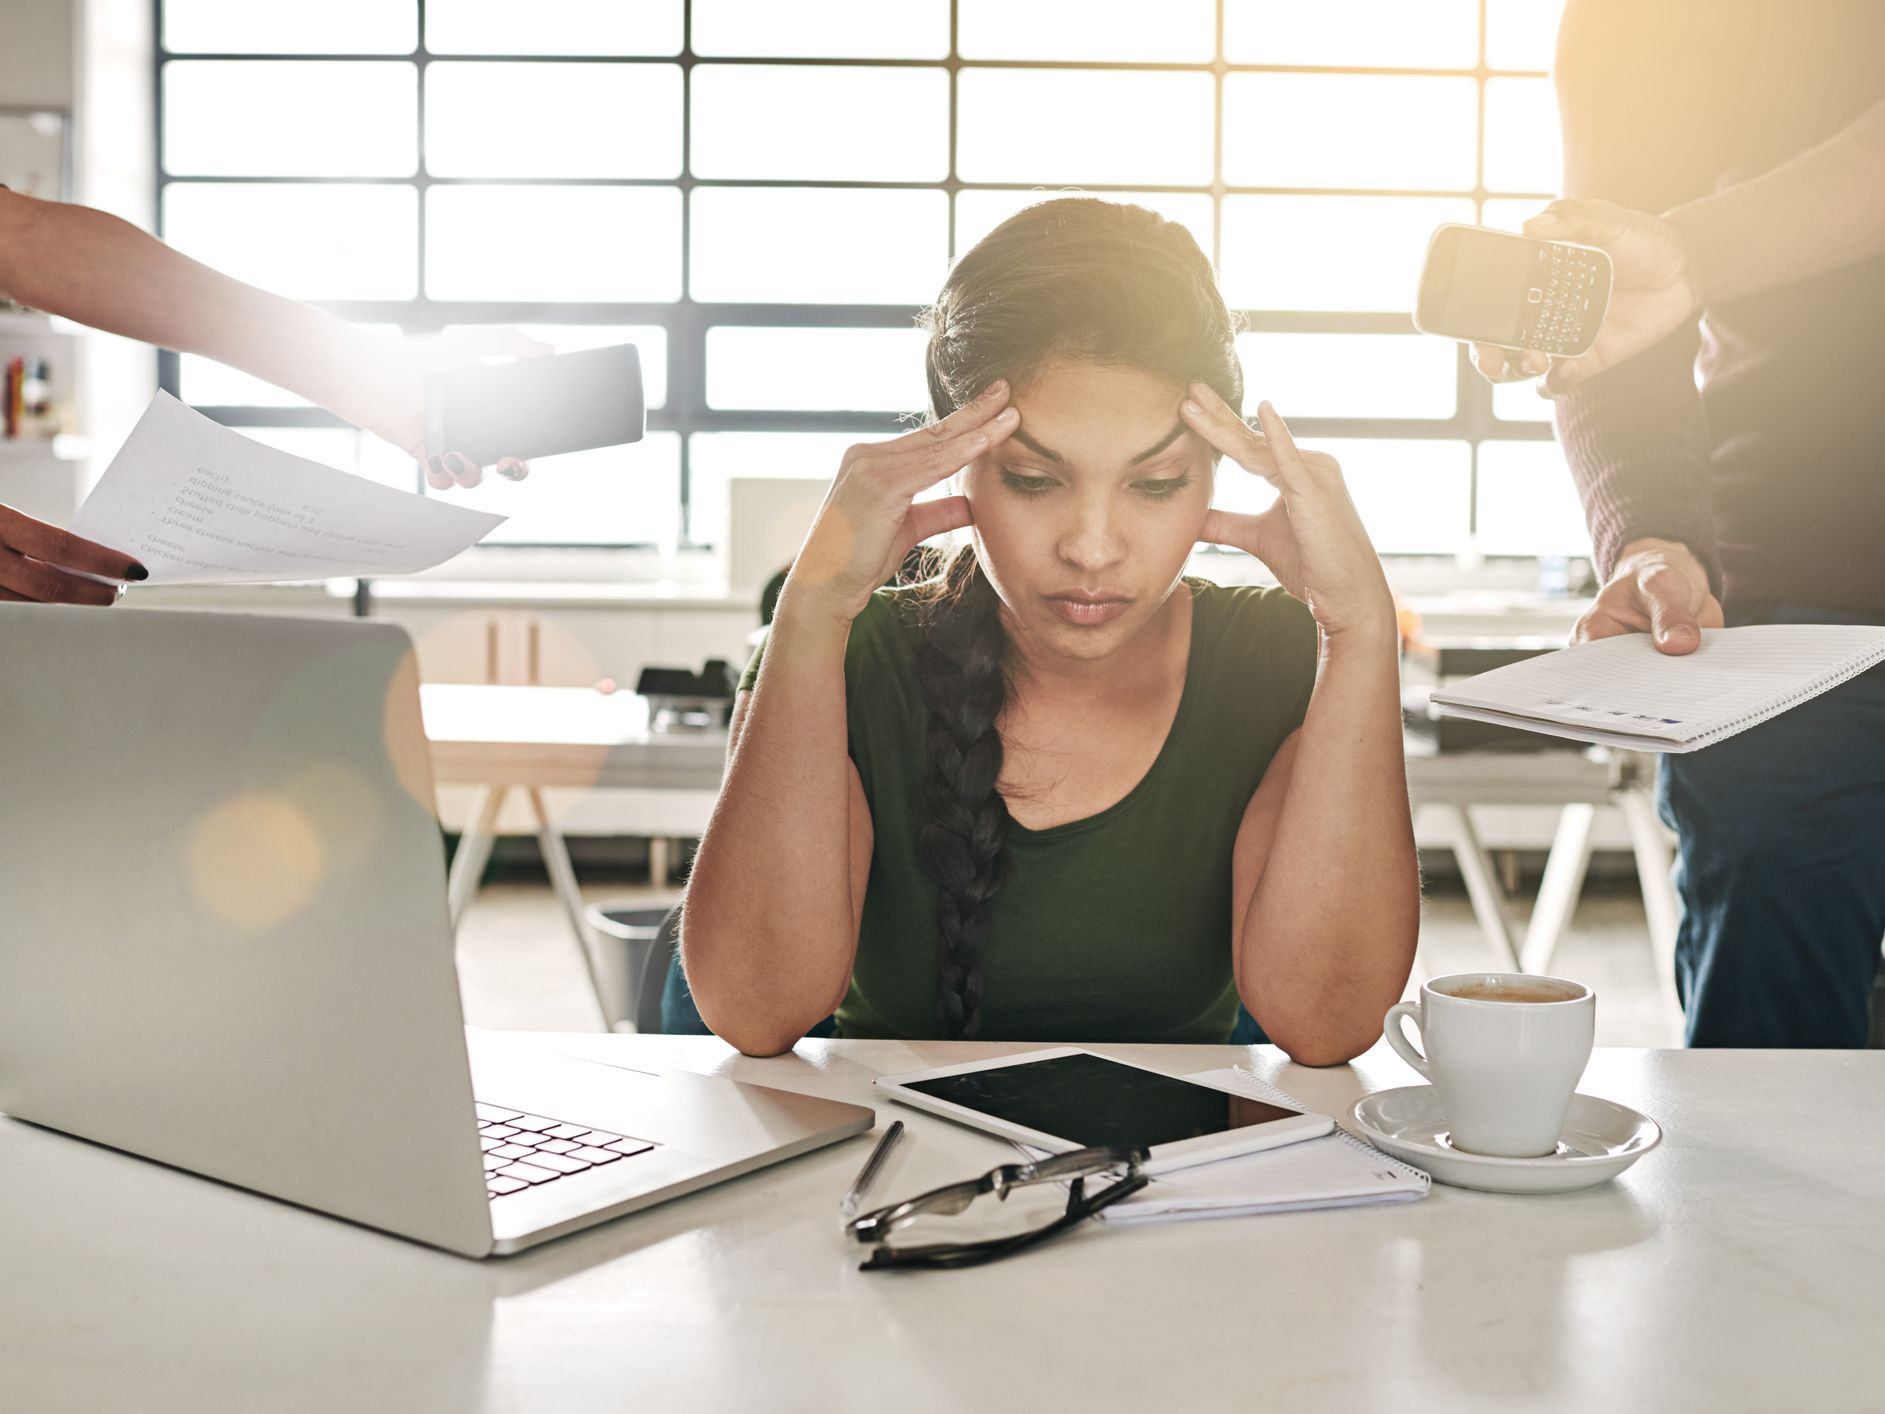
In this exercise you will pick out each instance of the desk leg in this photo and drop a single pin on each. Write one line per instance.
(1660, 904)
(474, 852)
(1482, 884)
(563, 880)
(1563, 881)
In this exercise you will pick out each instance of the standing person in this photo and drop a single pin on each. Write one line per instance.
(93, 268)
(1063, 791)
(1728, 441)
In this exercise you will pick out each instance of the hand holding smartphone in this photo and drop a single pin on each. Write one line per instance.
(1516, 292)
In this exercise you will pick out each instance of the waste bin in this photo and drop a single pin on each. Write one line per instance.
(625, 935)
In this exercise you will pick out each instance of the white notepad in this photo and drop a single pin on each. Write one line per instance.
(1623, 692)
(1335, 1171)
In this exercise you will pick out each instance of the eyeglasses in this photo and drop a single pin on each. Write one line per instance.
(875, 1229)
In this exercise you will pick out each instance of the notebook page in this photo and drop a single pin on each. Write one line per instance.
(1334, 1170)
(1625, 685)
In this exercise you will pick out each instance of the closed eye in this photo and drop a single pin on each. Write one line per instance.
(1163, 487)
(1025, 485)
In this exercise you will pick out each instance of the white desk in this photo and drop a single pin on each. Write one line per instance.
(1739, 1267)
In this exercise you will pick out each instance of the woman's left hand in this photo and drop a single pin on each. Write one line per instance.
(1312, 539)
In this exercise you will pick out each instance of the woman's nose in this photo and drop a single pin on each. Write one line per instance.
(1093, 542)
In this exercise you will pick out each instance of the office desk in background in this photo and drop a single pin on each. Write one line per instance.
(528, 739)
(1736, 1268)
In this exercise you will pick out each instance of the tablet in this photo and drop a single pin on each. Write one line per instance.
(1067, 1098)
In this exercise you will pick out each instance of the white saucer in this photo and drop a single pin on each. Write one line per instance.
(1601, 1139)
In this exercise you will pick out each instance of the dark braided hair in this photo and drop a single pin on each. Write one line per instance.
(1079, 278)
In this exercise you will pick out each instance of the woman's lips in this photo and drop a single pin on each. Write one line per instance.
(1087, 611)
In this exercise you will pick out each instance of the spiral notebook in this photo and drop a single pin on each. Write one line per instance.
(1335, 1171)
(1623, 692)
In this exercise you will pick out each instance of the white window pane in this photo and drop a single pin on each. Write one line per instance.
(230, 118)
(1521, 34)
(553, 120)
(1385, 34)
(1047, 125)
(628, 495)
(810, 121)
(1119, 31)
(332, 27)
(1349, 130)
(1523, 151)
(1350, 375)
(850, 370)
(803, 245)
(650, 339)
(332, 241)
(1519, 402)
(1509, 213)
(344, 449)
(714, 458)
(203, 382)
(553, 27)
(553, 243)
(1329, 252)
(831, 29)
(979, 212)
(1413, 495)
(1527, 501)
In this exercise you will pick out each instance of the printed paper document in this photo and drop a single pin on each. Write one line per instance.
(1623, 692)
(197, 503)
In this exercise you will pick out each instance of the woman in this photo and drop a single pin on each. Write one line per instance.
(1061, 791)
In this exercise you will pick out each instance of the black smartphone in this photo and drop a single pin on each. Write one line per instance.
(1492, 287)
(537, 407)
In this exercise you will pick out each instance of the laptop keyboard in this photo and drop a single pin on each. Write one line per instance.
(523, 1150)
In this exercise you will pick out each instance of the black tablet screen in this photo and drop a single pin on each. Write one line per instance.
(1090, 1100)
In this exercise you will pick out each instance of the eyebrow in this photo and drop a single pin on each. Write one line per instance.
(1053, 456)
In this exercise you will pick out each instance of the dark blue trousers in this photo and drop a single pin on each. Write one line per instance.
(1782, 866)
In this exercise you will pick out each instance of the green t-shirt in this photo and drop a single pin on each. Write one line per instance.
(1112, 928)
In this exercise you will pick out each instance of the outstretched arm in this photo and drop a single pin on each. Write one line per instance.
(89, 266)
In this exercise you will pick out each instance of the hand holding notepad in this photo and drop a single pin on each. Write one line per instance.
(1623, 692)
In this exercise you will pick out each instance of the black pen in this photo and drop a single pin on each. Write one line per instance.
(847, 1208)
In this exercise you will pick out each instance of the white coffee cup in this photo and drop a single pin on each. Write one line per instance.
(1504, 1051)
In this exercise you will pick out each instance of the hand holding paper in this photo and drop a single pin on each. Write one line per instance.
(199, 504)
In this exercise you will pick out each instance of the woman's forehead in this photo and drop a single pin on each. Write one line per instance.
(1084, 413)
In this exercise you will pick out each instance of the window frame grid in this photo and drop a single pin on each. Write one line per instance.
(687, 320)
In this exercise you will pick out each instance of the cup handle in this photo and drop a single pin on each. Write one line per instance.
(1392, 1027)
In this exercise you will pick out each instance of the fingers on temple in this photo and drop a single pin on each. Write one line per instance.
(1289, 461)
(924, 464)
(56, 546)
(980, 409)
(1217, 422)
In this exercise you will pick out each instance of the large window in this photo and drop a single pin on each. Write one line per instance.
(762, 193)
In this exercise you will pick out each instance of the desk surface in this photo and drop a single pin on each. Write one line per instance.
(561, 736)
(1739, 1267)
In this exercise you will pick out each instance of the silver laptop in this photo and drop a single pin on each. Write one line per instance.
(224, 946)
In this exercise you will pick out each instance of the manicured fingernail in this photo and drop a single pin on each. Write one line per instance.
(137, 571)
(1188, 406)
(1007, 415)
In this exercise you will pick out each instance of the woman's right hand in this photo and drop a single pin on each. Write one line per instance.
(871, 519)
(33, 553)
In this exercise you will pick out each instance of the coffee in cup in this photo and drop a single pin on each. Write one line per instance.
(1504, 1051)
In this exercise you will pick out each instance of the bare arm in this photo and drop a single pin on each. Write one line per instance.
(91, 267)
(770, 928)
(1326, 901)
(777, 891)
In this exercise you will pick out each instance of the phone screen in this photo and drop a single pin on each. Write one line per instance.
(1476, 285)
(1089, 1100)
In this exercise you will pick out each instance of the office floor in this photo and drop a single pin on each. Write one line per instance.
(519, 970)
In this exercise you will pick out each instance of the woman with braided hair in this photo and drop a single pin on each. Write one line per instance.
(1058, 790)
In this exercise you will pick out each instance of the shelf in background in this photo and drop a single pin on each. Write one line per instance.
(22, 324)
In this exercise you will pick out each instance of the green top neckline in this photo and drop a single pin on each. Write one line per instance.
(1017, 830)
